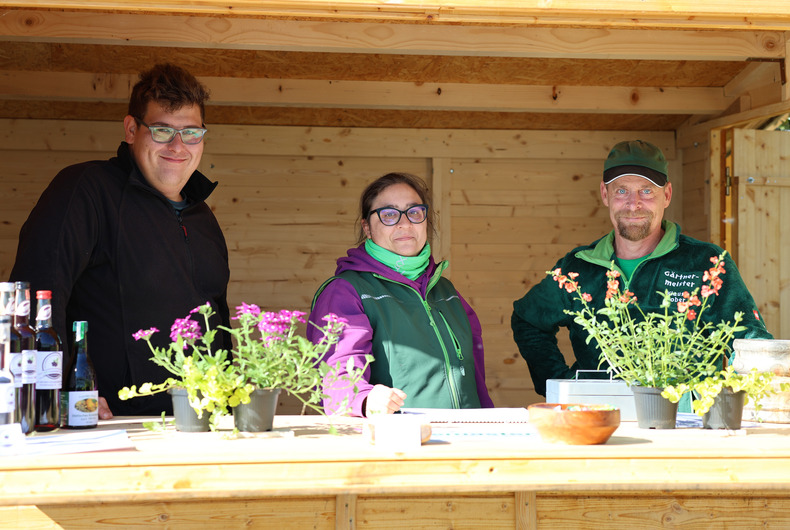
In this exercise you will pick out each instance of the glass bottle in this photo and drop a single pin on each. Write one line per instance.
(7, 399)
(80, 395)
(49, 366)
(23, 359)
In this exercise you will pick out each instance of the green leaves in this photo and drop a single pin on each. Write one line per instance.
(757, 385)
(665, 348)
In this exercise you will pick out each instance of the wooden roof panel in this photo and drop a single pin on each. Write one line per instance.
(36, 56)
(282, 65)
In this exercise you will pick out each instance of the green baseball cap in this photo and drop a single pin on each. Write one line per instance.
(636, 157)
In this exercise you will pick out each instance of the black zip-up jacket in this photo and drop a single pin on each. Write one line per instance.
(114, 252)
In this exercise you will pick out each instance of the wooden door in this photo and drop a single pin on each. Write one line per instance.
(760, 211)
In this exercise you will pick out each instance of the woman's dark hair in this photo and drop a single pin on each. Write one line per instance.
(170, 86)
(380, 184)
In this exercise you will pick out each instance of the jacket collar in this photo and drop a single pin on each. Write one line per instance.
(357, 259)
(602, 251)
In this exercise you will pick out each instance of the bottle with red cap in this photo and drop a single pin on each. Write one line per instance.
(49, 366)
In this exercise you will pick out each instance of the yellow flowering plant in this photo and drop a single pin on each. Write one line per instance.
(267, 353)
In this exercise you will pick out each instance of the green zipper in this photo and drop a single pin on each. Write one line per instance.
(456, 344)
(447, 366)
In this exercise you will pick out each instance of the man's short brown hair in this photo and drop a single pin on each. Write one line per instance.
(170, 86)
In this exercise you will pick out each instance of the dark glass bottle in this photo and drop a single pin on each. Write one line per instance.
(49, 366)
(23, 359)
(80, 396)
(7, 399)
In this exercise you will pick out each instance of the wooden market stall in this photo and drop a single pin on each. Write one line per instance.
(507, 108)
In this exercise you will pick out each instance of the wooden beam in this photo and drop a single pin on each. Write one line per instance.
(68, 86)
(756, 75)
(733, 120)
(701, 14)
(364, 37)
(65, 135)
(785, 69)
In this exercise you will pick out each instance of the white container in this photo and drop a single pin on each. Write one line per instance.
(593, 391)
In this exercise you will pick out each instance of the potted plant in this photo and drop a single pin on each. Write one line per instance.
(720, 398)
(651, 351)
(267, 356)
(202, 375)
(272, 357)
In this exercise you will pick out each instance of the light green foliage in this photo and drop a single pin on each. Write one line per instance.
(757, 385)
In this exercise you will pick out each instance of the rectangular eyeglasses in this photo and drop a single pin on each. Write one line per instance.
(390, 216)
(165, 135)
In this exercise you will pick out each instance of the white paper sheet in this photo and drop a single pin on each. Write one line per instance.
(75, 442)
(494, 415)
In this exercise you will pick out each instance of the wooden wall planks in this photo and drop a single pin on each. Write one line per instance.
(287, 202)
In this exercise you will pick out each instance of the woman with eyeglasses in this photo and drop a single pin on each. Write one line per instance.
(425, 339)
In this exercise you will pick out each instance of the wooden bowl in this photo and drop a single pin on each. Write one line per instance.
(574, 424)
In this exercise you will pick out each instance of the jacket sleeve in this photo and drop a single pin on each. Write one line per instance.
(57, 242)
(535, 322)
(477, 348)
(355, 341)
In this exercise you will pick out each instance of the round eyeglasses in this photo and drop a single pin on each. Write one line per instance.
(390, 216)
(165, 135)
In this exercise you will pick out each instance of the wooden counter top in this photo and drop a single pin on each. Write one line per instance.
(177, 463)
(301, 459)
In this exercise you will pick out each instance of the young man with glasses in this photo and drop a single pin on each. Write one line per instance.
(129, 243)
(426, 341)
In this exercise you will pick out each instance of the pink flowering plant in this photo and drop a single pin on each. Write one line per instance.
(267, 353)
(271, 354)
(655, 349)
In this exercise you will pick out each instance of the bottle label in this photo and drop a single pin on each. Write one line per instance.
(16, 369)
(23, 308)
(44, 312)
(12, 440)
(49, 370)
(6, 397)
(28, 361)
(82, 408)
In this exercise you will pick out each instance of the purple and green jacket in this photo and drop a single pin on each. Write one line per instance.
(425, 338)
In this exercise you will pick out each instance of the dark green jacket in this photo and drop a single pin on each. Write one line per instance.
(428, 355)
(677, 264)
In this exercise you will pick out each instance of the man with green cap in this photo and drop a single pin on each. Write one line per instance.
(649, 252)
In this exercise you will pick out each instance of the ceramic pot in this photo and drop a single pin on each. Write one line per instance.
(258, 414)
(186, 418)
(726, 411)
(652, 410)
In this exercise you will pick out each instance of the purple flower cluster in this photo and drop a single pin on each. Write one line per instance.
(144, 334)
(187, 329)
(275, 326)
(332, 318)
(247, 309)
(203, 309)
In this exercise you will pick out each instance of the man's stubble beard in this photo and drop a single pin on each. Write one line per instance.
(634, 232)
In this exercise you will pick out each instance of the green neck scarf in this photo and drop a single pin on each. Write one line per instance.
(409, 266)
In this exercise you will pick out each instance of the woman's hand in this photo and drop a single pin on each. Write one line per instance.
(384, 400)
